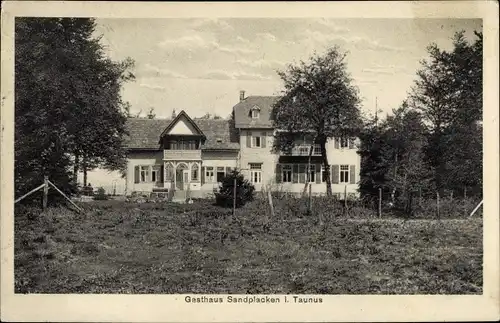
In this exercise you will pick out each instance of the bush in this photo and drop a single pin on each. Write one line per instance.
(101, 194)
(244, 190)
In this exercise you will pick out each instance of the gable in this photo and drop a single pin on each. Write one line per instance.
(182, 127)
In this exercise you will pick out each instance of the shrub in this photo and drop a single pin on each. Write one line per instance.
(244, 190)
(101, 194)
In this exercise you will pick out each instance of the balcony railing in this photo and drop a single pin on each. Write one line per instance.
(303, 150)
(171, 154)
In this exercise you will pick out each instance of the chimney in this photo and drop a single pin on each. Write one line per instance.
(242, 95)
(173, 114)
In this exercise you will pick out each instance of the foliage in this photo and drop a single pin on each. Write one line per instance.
(319, 99)
(433, 140)
(448, 94)
(244, 190)
(100, 195)
(68, 109)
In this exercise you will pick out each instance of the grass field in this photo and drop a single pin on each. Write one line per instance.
(118, 247)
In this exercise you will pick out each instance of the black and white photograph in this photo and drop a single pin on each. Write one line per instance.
(249, 160)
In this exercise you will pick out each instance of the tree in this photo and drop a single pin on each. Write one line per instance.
(69, 112)
(407, 172)
(448, 94)
(319, 99)
(244, 190)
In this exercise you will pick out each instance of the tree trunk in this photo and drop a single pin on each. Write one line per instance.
(308, 172)
(322, 144)
(84, 166)
(76, 168)
(393, 192)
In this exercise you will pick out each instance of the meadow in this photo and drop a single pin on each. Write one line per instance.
(120, 247)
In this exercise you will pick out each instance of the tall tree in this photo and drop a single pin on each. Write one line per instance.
(319, 98)
(448, 93)
(69, 112)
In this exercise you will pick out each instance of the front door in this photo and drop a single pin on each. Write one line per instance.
(179, 179)
(185, 179)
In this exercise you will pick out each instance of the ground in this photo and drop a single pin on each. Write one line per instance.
(119, 247)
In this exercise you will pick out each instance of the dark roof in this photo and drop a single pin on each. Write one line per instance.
(242, 115)
(145, 133)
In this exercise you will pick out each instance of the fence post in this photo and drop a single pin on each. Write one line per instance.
(477, 208)
(379, 202)
(45, 192)
(437, 202)
(345, 199)
(271, 206)
(234, 197)
(309, 204)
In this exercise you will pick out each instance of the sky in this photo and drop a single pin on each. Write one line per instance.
(200, 65)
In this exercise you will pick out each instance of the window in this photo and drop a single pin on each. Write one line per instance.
(312, 173)
(286, 171)
(256, 173)
(182, 144)
(255, 114)
(144, 173)
(209, 174)
(344, 173)
(220, 174)
(155, 174)
(169, 172)
(317, 150)
(256, 142)
(194, 172)
(304, 150)
(344, 142)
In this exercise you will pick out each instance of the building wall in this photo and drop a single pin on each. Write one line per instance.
(141, 159)
(216, 159)
(262, 155)
(269, 160)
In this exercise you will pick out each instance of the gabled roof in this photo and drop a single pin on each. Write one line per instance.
(242, 117)
(176, 119)
(144, 134)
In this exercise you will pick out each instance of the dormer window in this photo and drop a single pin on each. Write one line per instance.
(219, 140)
(255, 112)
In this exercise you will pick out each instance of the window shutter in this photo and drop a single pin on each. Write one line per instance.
(302, 173)
(136, 174)
(249, 139)
(352, 175)
(337, 143)
(335, 174)
(202, 175)
(352, 144)
(263, 140)
(295, 173)
(228, 170)
(162, 174)
(278, 173)
(318, 174)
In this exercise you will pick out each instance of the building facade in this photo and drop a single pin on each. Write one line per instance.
(182, 154)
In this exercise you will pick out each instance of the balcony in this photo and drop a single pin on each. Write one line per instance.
(303, 150)
(175, 154)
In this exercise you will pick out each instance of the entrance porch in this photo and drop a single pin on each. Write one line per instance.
(182, 175)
